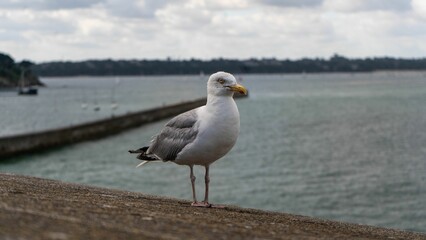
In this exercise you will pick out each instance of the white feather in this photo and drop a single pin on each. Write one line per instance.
(142, 163)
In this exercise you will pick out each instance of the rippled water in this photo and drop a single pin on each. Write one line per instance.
(62, 102)
(348, 147)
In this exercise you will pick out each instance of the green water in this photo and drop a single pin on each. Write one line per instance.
(349, 147)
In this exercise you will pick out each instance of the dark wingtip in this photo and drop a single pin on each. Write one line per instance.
(140, 150)
(146, 157)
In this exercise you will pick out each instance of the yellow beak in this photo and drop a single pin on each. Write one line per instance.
(238, 88)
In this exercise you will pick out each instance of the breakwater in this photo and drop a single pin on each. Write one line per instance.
(43, 140)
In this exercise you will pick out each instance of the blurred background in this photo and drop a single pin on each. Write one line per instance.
(334, 125)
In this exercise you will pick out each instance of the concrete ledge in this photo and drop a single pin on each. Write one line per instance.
(34, 208)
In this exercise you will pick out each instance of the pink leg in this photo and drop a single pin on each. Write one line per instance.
(206, 196)
(195, 203)
(204, 203)
(207, 181)
(192, 177)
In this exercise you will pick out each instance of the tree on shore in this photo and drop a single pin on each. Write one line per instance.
(336, 63)
(10, 72)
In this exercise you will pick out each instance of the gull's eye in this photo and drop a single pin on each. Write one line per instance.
(221, 81)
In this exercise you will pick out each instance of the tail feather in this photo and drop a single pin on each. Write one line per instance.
(142, 163)
(142, 155)
(140, 150)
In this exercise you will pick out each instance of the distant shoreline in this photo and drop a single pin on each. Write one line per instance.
(336, 64)
(171, 75)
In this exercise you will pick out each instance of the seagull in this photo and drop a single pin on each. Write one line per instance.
(202, 135)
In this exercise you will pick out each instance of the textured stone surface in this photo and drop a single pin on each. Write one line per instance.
(34, 208)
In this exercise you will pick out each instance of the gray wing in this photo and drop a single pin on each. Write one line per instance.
(176, 134)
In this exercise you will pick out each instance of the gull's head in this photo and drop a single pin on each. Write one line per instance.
(224, 84)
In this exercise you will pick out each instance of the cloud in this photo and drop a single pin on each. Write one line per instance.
(344, 5)
(74, 4)
(51, 30)
(419, 7)
(47, 4)
(25, 24)
(292, 3)
(133, 9)
(367, 5)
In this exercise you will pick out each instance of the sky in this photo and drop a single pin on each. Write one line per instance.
(51, 30)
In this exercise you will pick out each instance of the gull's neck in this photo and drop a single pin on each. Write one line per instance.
(218, 103)
(213, 100)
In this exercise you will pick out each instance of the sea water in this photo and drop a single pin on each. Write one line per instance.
(347, 147)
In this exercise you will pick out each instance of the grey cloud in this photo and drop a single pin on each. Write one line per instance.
(393, 5)
(364, 5)
(293, 3)
(130, 9)
(47, 4)
(43, 24)
(409, 29)
(12, 36)
(54, 4)
(120, 8)
(368, 5)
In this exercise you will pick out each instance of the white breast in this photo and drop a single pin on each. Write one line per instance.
(218, 130)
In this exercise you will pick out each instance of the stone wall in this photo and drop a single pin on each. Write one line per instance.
(33, 142)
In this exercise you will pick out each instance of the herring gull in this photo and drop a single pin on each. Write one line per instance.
(202, 135)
